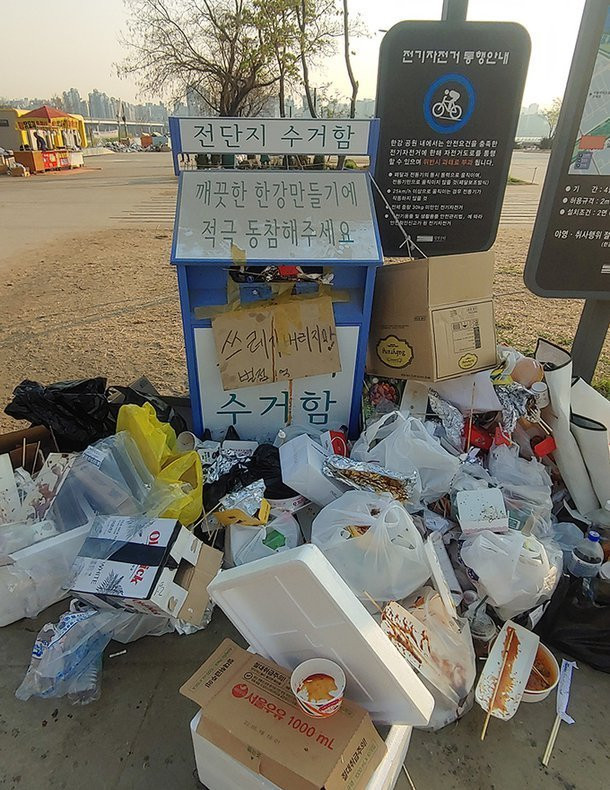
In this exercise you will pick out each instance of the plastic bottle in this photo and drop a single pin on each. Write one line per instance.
(601, 586)
(600, 522)
(587, 557)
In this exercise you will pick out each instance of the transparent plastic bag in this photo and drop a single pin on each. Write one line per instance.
(451, 656)
(66, 657)
(406, 446)
(373, 543)
(155, 439)
(245, 544)
(518, 572)
(19, 535)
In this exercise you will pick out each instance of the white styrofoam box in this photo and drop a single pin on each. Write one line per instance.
(219, 771)
(295, 606)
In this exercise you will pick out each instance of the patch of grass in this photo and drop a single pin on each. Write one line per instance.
(603, 386)
(513, 180)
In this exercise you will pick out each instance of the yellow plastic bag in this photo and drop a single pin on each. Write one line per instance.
(155, 439)
(186, 475)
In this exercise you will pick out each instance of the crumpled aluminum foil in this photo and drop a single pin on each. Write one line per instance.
(367, 476)
(247, 499)
(225, 461)
(450, 416)
(516, 402)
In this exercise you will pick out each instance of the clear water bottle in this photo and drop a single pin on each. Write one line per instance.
(587, 557)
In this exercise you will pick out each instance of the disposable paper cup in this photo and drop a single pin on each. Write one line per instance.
(318, 666)
(551, 662)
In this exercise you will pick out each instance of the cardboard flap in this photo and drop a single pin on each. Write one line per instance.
(460, 278)
(203, 686)
(195, 579)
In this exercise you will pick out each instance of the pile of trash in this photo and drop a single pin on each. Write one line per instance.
(467, 514)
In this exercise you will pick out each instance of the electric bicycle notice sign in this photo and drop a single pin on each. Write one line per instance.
(569, 253)
(448, 100)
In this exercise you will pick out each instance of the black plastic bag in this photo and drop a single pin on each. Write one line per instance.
(574, 624)
(165, 412)
(76, 411)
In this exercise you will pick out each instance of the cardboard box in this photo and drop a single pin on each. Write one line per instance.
(249, 711)
(433, 319)
(154, 566)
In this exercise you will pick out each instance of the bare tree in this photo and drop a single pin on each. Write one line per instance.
(551, 115)
(212, 47)
(319, 24)
(348, 62)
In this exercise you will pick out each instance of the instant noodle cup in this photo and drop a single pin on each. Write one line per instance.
(319, 685)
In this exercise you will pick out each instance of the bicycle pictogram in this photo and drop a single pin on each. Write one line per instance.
(448, 108)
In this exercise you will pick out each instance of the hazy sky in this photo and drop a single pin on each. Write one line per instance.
(75, 43)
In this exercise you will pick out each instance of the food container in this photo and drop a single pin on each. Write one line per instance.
(550, 666)
(318, 684)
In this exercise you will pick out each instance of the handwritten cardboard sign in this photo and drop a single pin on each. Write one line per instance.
(276, 342)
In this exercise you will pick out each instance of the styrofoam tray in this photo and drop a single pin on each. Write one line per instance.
(295, 606)
(219, 771)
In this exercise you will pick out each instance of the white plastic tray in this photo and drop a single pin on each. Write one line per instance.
(218, 771)
(295, 606)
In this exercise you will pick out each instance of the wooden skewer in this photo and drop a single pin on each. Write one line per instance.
(497, 687)
(35, 456)
(551, 742)
(474, 384)
(23, 452)
(410, 781)
(374, 602)
(54, 439)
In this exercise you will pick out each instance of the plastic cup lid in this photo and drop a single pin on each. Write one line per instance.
(604, 571)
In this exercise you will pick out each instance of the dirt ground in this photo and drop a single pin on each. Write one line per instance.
(106, 303)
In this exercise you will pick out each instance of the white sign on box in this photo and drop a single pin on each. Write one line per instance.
(274, 135)
(258, 412)
(275, 215)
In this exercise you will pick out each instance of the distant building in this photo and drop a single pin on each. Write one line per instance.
(365, 108)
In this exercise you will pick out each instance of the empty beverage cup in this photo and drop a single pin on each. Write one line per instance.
(319, 685)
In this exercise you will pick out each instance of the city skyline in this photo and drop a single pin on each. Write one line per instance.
(70, 58)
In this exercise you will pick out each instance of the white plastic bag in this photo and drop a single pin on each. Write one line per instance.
(444, 660)
(245, 544)
(373, 544)
(526, 487)
(406, 446)
(516, 571)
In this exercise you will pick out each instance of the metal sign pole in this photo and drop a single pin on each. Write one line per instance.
(590, 337)
(454, 10)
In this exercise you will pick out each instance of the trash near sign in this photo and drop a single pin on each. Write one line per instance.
(448, 99)
(276, 215)
(322, 401)
(569, 253)
(274, 135)
(276, 342)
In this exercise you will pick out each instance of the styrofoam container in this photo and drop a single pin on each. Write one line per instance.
(295, 606)
(218, 771)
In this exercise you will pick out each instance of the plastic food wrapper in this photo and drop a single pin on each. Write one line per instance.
(439, 647)
(244, 544)
(67, 656)
(372, 477)
(373, 544)
(403, 444)
(516, 571)
(76, 411)
(451, 418)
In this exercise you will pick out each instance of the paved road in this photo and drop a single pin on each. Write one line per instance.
(120, 190)
(36, 210)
